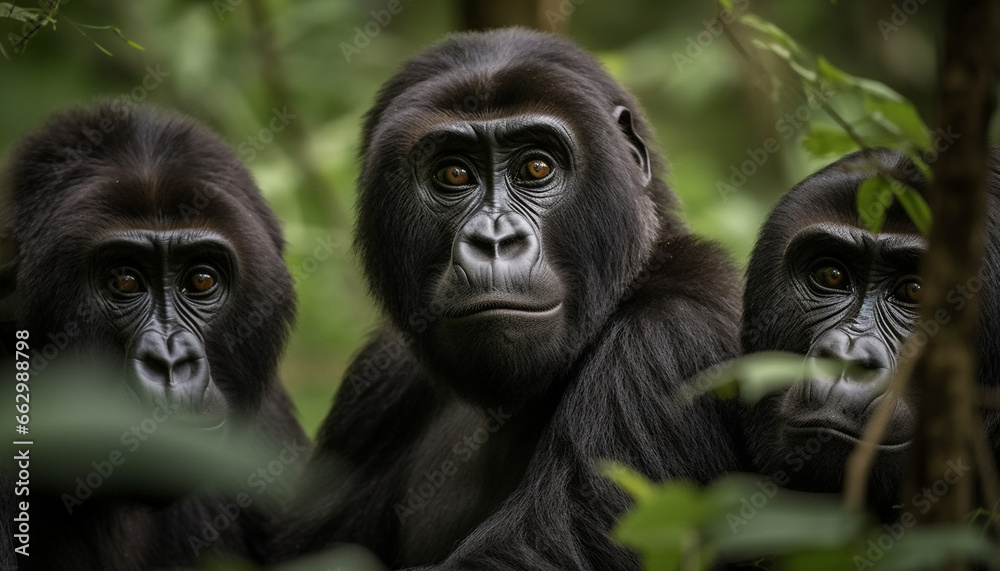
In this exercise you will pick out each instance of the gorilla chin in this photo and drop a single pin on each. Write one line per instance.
(814, 427)
(503, 334)
(500, 352)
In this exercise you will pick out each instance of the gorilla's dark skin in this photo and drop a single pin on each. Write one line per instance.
(821, 285)
(151, 244)
(544, 306)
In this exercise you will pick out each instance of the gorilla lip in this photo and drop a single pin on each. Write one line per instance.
(837, 429)
(499, 306)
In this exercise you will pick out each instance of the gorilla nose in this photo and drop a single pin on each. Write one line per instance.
(867, 365)
(174, 367)
(487, 239)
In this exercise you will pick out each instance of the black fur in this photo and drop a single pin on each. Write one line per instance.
(112, 168)
(646, 305)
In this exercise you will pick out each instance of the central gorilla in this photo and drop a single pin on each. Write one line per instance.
(545, 305)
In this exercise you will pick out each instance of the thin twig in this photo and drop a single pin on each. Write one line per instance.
(315, 196)
(985, 464)
(859, 463)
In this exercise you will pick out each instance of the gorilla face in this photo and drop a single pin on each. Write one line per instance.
(860, 292)
(821, 285)
(495, 181)
(160, 291)
(501, 216)
(155, 252)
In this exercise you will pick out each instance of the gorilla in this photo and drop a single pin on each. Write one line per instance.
(138, 237)
(819, 284)
(544, 306)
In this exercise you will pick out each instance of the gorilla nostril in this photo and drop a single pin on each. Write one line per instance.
(499, 247)
(510, 246)
(183, 371)
(170, 363)
(496, 250)
(483, 245)
(153, 367)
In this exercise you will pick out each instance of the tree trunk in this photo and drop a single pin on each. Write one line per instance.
(944, 376)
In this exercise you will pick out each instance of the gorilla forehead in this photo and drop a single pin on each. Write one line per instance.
(828, 197)
(484, 76)
(126, 167)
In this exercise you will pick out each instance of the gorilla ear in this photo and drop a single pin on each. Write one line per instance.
(624, 118)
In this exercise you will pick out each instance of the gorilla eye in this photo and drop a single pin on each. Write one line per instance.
(125, 281)
(831, 277)
(909, 291)
(454, 175)
(535, 169)
(199, 281)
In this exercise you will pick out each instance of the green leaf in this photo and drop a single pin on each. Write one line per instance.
(726, 5)
(877, 89)
(900, 117)
(773, 47)
(760, 374)
(640, 488)
(666, 528)
(344, 556)
(873, 200)
(915, 205)
(822, 141)
(117, 31)
(27, 15)
(100, 47)
(918, 160)
(931, 548)
(776, 34)
(824, 559)
(836, 77)
(802, 71)
(756, 518)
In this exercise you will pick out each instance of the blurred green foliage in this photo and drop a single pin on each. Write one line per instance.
(750, 518)
(710, 113)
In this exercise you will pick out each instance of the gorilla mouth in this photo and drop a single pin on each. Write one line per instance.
(504, 307)
(200, 424)
(840, 430)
